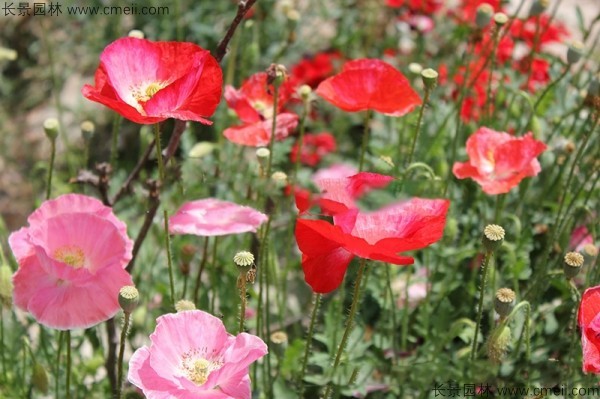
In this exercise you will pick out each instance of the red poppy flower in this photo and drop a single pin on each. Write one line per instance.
(327, 249)
(370, 84)
(148, 82)
(253, 104)
(467, 10)
(540, 72)
(589, 322)
(550, 31)
(499, 161)
(313, 70)
(426, 7)
(314, 147)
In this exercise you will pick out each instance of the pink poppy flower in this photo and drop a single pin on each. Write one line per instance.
(191, 355)
(499, 161)
(71, 262)
(328, 249)
(589, 322)
(148, 82)
(253, 104)
(213, 217)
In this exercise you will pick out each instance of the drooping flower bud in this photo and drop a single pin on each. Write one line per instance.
(493, 236)
(499, 343)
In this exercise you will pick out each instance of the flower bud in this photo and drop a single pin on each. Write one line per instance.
(6, 285)
(243, 260)
(128, 298)
(493, 236)
(136, 33)
(572, 264)
(87, 130)
(39, 378)
(538, 7)
(500, 19)
(276, 74)
(430, 77)
(51, 128)
(187, 253)
(484, 15)
(504, 301)
(499, 343)
(183, 305)
(574, 52)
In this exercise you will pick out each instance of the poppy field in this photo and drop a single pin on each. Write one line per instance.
(279, 199)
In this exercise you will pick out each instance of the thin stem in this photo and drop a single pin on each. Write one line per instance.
(273, 129)
(490, 102)
(500, 198)
(57, 368)
(405, 312)
(169, 260)
(214, 273)
(242, 282)
(365, 140)
(114, 149)
(544, 93)
(484, 270)
(68, 383)
(124, 332)
(349, 325)
(2, 349)
(200, 270)
(243, 7)
(311, 329)
(418, 127)
(161, 166)
(51, 168)
(300, 142)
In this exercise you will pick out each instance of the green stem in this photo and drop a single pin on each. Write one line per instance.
(418, 127)
(51, 168)
(393, 310)
(490, 102)
(273, 129)
(124, 332)
(500, 198)
(2, 348)
(57, 368)
(484, 270)
(543, 94)
(242, 280)
(169, 261)
(365, 140)
(214, 273)
(68, 383)
(114, 149)
(161, 166)
(405, 312)
(311, 329)
(200, 270)
(349, 325)
(300, 141)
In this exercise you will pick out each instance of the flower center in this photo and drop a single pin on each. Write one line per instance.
(71, 255)
(197, 368)
(265, 110)
(143, 94)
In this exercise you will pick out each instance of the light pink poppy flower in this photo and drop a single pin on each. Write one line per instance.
(213, 217)
(191, 356)
(71, 262)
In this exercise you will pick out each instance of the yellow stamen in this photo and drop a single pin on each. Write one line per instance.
(71, 255)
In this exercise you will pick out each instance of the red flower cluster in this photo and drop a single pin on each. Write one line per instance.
(313, 70)
(370, 84)
(589, 322)
(327, 249)
(426, 7)
(499, 161)
(148, 82)
(314, 147)
(253, 104)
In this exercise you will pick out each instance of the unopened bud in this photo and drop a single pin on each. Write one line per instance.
(538, 7)
(484, 15)
(574, 52)
(504, 301)
(183, 305)
(51, 128)
(276, 74)
(6, 285)
(572, 264)
(498, 343)
(138, 34)
(87, 130)
(39, 378)
(187, 253)
(128, 298)
(430, 77)
(493, 236)
(500, 19)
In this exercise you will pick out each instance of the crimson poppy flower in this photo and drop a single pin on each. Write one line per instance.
(370, 84)
(148, 82)
(313, 70)
(327, 249)
(467, 10)
(253, 104)
(426, 7)
(314, 147)
(499, 161)
(589, 322)
(550, 31)
(540, 72)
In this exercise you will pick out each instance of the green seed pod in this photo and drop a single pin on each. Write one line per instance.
(493, 236)
(128, 298)
(504, 301)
